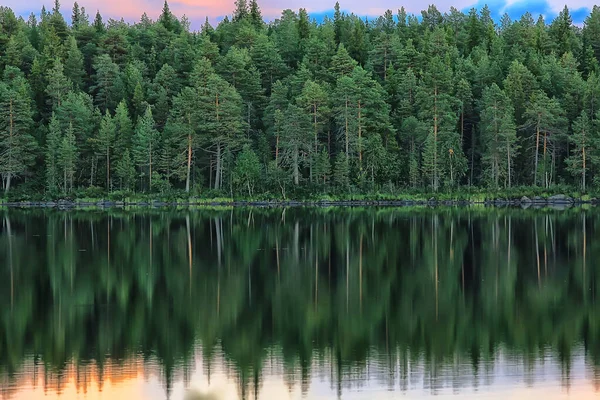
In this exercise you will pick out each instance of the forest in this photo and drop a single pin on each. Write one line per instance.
(295, 108)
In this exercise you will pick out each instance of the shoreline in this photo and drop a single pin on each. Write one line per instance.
(559, 201)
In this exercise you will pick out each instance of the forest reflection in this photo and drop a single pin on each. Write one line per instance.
(348, 295)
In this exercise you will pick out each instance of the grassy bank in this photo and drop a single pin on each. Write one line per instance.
(471, 195)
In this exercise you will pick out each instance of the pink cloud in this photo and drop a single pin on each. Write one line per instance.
(131, 10)
(198, 10)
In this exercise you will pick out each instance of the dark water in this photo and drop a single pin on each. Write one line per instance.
(313, 303)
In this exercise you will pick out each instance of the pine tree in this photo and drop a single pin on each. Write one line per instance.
(315, 102)
(73, 68)
(67, 159)
(582, 141)
(544, 117)
(220, 109)
(76, 16)
(108, 85)
(341, 63)
(255, 15)
(295, 140)
(99, 24)
(58, 85)
(181, 127)
(247, 170)
(499, 137)
(53, 142)
(443, 157)
(591, 31)
(123, 130)
(414, 133)
(341, 173)
(106, 137)
(17, 145)
(322, 168)
(125, 171)
(519, 85)
(268, 62)
(145, 143)
(167, 19)
(237, 69)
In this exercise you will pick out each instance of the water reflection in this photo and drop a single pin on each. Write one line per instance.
(299, 302)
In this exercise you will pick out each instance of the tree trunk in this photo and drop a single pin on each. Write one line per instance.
(189, 163)
(316, 142)
(359, 136)
(10, 144)
(107, 169)
(545, 161)
(150, 169)
(296, 168)
(537, 147)
(496, 168)
(435, 132)
(8, 179)
(347, 133)
(584, 164)
(218, 168)
(508, 163)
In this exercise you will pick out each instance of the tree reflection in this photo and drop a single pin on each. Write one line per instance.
(325, 289)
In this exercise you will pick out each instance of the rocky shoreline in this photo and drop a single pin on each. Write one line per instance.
(557, 201)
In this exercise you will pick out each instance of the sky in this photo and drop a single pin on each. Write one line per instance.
(215, 10)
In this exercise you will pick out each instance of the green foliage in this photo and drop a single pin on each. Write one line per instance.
(17, 145)
(67, 159)
(145, 146)
(435, 103)
(247, 170)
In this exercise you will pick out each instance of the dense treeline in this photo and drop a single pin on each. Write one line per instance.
(413, 291)
(293, 108)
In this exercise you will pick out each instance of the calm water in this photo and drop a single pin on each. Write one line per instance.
(290, 304)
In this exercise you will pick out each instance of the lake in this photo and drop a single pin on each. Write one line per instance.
(361, 303)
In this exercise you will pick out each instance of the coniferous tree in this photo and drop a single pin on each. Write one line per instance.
(545, 120)
(221, 112)
(73, 68)
(408, 101)
(125, 171)
(322, 168)
(499, 137)
(182, 130)
(315, 101)
(106, 137)
(17, 146)
(247, 170)
(108, 87)
(295, 140)
(584, 143)
(123, 129)
(58, 84)
(53, 142)
(145, 143)
(67, 159)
